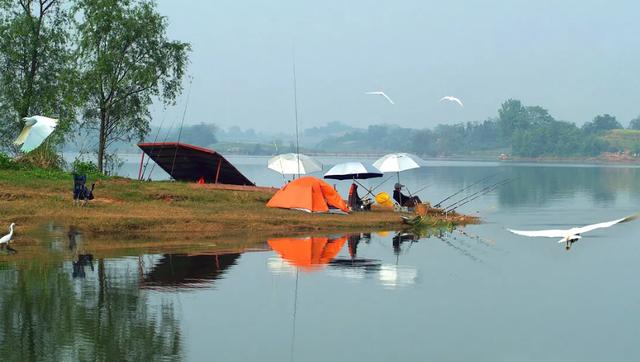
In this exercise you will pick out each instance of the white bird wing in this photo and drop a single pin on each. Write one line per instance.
(22, 136)
(542, 233)
(602, 225)
(452, 99)
(387, 97)
(37, 133)
(378, 93)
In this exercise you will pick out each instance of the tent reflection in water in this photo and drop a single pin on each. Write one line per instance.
(308, 194)
(308, 253)
(188, 271)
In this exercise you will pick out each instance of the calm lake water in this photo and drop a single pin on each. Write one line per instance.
(476, 294)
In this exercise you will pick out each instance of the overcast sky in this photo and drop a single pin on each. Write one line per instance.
(576, 58)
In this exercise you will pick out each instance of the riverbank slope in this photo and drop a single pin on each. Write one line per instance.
(171, 210)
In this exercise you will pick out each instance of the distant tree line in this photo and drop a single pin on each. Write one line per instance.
(96, 65)
(519, 130)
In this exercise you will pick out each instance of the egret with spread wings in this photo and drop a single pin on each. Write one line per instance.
(36, 130)
(572, 235)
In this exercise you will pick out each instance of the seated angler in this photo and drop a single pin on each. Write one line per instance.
(355, 202)
(402, 199)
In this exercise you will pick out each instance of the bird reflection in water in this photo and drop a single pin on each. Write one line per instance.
(10, 250)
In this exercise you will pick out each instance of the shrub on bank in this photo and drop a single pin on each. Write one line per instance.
(84, 167)
(6, 163)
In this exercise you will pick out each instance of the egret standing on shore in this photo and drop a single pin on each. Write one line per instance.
(36, 130)
(4, 241)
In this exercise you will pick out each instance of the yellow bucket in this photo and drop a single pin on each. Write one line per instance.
(384, 199)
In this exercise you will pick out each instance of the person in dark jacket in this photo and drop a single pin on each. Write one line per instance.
(355, 202)
(402, 199)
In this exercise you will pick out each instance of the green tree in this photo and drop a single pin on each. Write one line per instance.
(538, 116)
(36, 67)
(601, 123)
(512, 116)
(635, 124)
(127, 62)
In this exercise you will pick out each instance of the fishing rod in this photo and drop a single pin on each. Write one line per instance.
(370, 192)
(485, 189)
(184, 114)
(464, 189)
(424, 188)
(164, 117)
(166, 137)
(493, 188)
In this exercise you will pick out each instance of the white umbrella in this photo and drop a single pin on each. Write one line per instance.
(294, 164)
(36, 130)
(352, 170)
(398, 162)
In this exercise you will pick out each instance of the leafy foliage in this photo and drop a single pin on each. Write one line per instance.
(127, 61)
(6, 163)
(84, 167)
(601, 124)
(36, 67)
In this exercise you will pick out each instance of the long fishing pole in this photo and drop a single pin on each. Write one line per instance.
(184, 114)
(370, 192)
(464, 189)
(484, 193)
(491, 190)
(166, 137)
(164, 117)
(424, 188)
(295, 105)
(472, 199)
(474, 194)
(284, 180)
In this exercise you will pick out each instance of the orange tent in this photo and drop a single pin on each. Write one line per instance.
(309, 194)
(309, 253)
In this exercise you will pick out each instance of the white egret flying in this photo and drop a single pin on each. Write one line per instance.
(7, 238)
(380, 93)
(36, 130)
(570, 236)
(452, 99)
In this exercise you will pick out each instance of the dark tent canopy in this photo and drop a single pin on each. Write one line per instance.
(189, 163)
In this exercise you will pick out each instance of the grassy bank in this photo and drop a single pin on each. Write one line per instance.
(166, 211)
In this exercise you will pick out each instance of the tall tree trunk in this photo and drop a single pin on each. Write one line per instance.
(102, 143)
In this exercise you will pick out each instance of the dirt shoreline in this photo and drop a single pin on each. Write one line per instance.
(170, 211)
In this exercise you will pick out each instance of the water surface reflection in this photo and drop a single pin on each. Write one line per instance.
(67, 297)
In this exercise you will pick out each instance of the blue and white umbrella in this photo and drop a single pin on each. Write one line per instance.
(351, 171)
